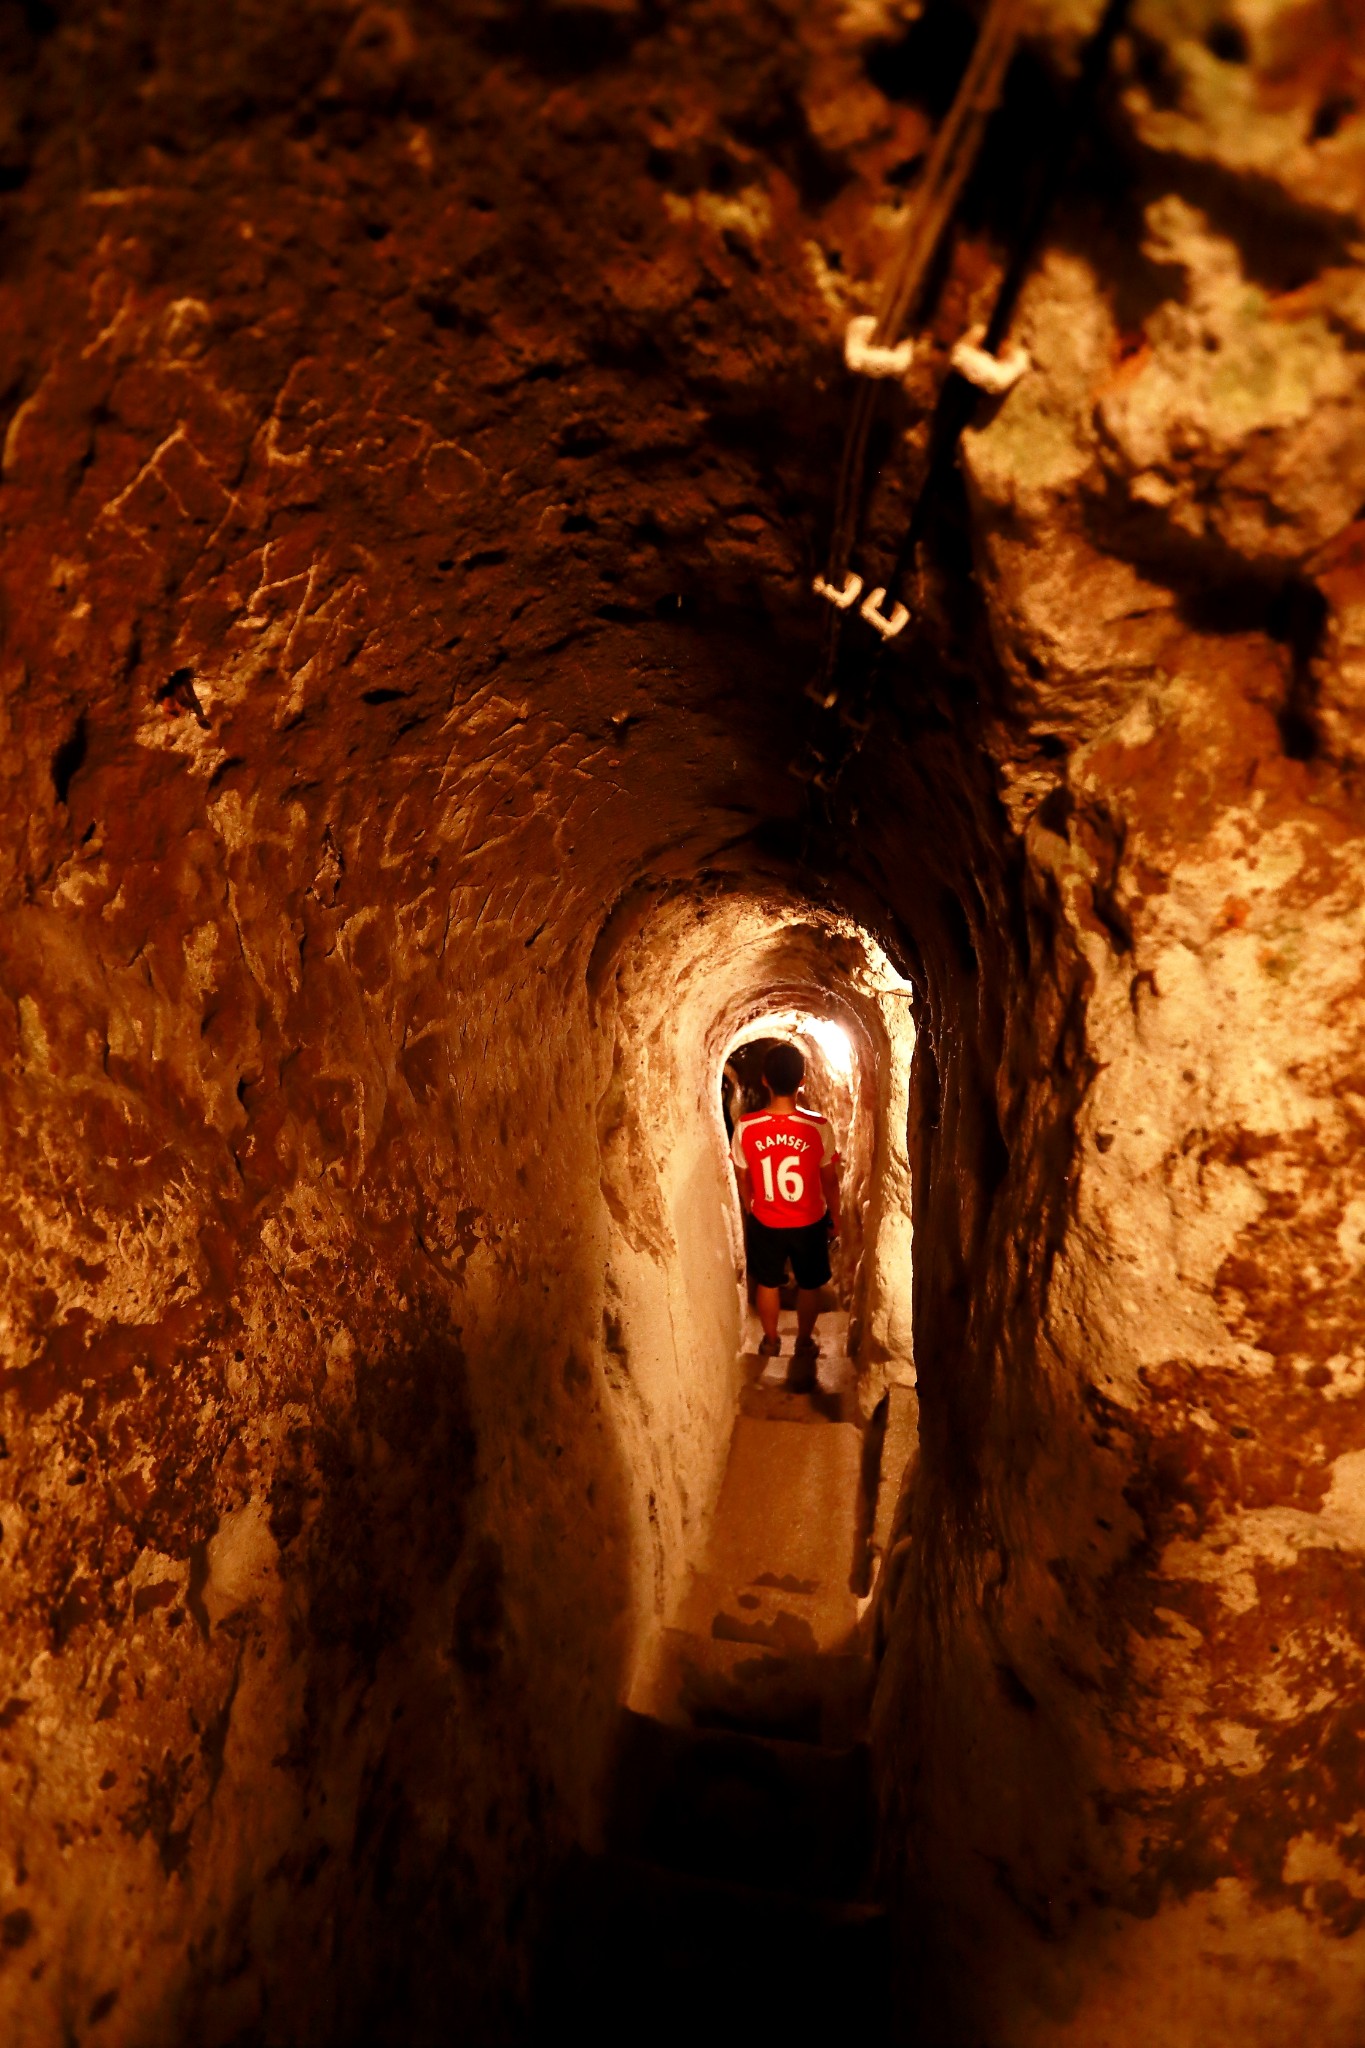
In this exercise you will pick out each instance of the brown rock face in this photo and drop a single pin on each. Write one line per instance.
(421, 429)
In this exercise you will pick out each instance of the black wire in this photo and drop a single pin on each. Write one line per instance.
(1094, 63)
(958, 398)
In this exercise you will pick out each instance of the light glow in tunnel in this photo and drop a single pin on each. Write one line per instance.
(834, 1042)
(832, 1039)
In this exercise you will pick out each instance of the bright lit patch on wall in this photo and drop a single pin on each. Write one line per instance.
(833, 1041)
(821, 1033)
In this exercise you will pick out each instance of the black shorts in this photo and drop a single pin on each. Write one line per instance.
(807, 1248)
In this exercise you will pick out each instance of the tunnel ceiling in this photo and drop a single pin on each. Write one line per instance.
(421, 428)
(389, 391)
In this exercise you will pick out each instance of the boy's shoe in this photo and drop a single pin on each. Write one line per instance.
(802, 1377)
(769, 1347)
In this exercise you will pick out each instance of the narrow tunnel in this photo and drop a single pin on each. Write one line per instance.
(542, 547)
(759, 1514)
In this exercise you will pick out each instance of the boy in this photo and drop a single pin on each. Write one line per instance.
(787, 1166)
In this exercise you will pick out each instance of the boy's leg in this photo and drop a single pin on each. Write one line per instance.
(812, 1274)
(765, 1270)
(806, 1351)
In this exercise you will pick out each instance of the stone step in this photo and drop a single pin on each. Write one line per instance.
(775, 1611)
(768, 1403)
(697, 1681)
(831, 1332)
(832, 1363)
(757, 1811)
(636, 1951)
(788, 1509)
(738, 1825)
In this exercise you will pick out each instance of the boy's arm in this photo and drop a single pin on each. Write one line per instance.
(829, 1182)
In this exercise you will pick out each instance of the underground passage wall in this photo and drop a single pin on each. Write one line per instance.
(421, 429)
(678, 977)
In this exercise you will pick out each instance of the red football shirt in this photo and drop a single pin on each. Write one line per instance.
(784, 1155)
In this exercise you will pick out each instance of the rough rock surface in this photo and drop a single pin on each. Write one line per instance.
(419, 433)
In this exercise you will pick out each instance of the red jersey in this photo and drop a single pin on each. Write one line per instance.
(784, 1155)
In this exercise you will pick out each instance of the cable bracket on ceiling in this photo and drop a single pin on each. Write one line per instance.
(996, 374)
(888, 624)
(866, 358)
(851, 592)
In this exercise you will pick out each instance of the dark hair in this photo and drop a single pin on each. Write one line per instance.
(784, 1069)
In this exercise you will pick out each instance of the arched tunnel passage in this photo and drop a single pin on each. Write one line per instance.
(692, 975)
(740, 1758)
(688, 977)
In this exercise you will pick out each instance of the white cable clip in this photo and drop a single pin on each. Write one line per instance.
(865, 359)
(888, 627)
(850, 593)
(996, 374)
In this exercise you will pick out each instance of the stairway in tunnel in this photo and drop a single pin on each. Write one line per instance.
(732, 1888)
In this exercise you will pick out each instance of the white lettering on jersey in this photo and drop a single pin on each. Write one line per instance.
(786, 1165)
(790, 1185)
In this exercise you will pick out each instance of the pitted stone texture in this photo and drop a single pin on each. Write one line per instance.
(419, 435)
(1153, 1675)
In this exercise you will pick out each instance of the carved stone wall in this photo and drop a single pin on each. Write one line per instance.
(420, 428)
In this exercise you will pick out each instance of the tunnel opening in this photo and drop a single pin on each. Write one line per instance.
(741, 1752)
(693, 977)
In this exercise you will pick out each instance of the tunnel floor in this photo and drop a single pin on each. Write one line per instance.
(733, 1887)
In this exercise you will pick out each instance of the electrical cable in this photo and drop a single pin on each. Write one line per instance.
(955, 150)
(961, 137)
